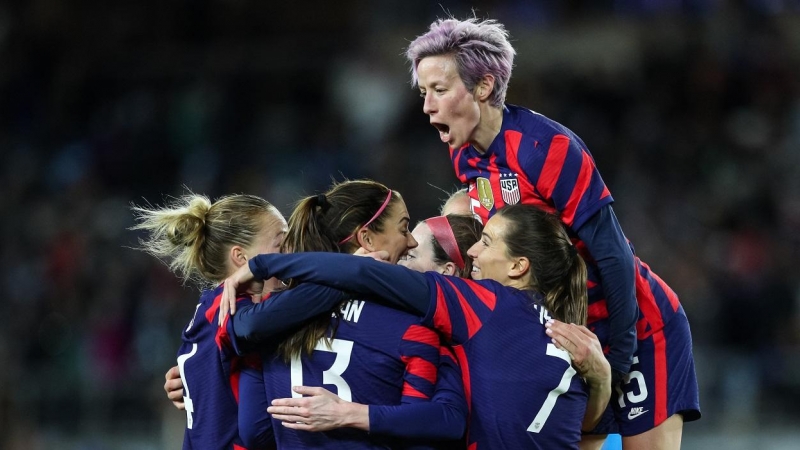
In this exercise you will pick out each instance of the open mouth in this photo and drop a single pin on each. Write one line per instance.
(444, 131)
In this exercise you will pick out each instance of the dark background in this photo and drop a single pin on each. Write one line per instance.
(691, 109)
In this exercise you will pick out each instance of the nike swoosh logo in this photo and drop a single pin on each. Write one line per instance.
(633, 415)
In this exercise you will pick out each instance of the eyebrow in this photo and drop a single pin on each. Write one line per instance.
(404, 219)
(486, 236)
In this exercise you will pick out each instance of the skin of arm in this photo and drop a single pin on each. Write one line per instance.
(587, 357)
(609, 248)
(443, 418)
(319, 410)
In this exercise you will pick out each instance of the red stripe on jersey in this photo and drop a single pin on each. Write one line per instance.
(446, 352)
(473, 446)
(551, 170)
(221, 336)
(494, 181)
(660, 353)
(485, 295)
(423, 335)
(238, 447)
(455, 156)
(583, 181)
(213, 311)
(421, 367)
(649, 307)
(597, 311)
(513, 139)
(671, 295)
(473, 322)
(441, 318)
(409, 391)
(461, 356)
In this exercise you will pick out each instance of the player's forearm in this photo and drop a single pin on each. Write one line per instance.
(599, 379)
(354, 415)
(599, 396)
(283, 311)
(609, 248)
(424, 420)
(394, 285)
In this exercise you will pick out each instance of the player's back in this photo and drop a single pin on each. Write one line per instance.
(522, 390)
(378, 356)
(207, 368)
(525, 393)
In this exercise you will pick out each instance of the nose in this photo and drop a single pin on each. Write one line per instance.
(473, 251)
(412, 243)
(429, 106)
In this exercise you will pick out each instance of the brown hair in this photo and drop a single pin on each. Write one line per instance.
(557, 271)
(467, 231)
(193, 236)
(324, 222)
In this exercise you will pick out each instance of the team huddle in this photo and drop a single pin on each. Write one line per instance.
(519, 318)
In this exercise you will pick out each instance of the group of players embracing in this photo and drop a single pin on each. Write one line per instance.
(519, 318)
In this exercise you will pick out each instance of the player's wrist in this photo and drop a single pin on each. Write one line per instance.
(354, 415)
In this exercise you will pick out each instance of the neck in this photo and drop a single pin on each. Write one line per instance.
(518, 283)
(488, 128)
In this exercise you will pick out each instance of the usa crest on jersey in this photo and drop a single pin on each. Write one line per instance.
(509, 188)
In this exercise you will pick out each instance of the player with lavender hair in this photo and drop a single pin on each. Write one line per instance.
(506, 155)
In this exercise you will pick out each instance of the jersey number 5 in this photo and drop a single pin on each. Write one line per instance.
(343, 349)
(552, 396)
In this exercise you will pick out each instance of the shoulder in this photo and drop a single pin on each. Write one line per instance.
(536, 125)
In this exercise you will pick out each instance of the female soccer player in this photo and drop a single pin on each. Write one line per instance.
(206, 242)
(368, 353)
(508, 155)
(443, 245)
(520, 387)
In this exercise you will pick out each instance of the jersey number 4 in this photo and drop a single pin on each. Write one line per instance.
(342, 349)
(552, 396)
(187, 400)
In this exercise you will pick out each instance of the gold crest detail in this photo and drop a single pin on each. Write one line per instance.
(485, 195)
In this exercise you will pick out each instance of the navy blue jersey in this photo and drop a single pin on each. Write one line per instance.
(210, 373)
(535, 160)
(377, 355)
(523, 392)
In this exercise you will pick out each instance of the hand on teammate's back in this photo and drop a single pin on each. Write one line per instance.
(174, 387)
(380, 255)
(584, 348)
(241, 282)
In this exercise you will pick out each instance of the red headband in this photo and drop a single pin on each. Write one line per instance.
(443, 233)
(380, 210)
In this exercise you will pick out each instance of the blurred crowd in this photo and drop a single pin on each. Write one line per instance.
(690, 108)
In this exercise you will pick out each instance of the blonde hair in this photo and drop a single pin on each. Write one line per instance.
(192, 236)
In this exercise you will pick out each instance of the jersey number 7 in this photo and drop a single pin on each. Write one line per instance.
(552, 396)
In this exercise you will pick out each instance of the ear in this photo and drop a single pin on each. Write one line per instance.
(237, 256)
(449, 268)
(365, 239)
(520, 267)
(484, 87)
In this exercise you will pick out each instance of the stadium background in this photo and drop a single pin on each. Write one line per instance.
(691, 109)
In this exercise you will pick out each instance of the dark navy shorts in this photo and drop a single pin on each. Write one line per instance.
(662, 382)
